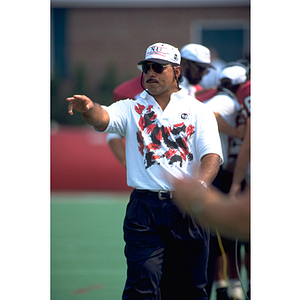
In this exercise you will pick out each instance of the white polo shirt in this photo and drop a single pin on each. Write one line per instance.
(165, 143)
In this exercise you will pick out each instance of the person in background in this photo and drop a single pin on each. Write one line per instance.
(243, 158)
(226, 107)
(242, 167)
(195, 64)
(211, 80)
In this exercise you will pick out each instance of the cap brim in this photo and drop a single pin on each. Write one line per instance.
(206, 65)
(159, 61)
(201, 64)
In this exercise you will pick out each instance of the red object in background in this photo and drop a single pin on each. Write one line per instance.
(205, 95)
(82, 160)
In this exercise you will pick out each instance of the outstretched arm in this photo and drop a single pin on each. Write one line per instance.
(92, 113)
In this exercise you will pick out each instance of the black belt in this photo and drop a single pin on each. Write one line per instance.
(161, 195)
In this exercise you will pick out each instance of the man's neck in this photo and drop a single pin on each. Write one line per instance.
(164, 99)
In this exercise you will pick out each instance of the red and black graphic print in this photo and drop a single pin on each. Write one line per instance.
(158, 143)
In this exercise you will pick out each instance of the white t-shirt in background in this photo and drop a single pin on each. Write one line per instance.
(228, 107)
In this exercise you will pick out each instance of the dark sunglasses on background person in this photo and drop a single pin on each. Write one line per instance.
(157, 68)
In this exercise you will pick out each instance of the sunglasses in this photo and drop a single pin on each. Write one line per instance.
(157, 68)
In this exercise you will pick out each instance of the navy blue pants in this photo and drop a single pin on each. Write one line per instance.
(166, 252)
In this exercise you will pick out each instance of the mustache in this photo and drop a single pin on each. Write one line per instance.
(151, 80)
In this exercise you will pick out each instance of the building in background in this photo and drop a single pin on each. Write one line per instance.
(96, 44)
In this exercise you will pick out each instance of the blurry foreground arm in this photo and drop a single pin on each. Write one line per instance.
(215, 209)
(92, 113)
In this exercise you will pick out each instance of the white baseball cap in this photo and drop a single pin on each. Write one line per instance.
(197, 53)
(162, 53)
(237, 74)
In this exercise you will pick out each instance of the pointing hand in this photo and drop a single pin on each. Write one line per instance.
(79, 103)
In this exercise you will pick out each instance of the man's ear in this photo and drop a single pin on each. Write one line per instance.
(177, 70)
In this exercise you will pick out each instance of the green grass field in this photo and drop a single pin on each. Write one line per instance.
(87, 260)
(87, 247)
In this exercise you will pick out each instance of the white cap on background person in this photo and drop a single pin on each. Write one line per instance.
(237, 74)
(198, 54)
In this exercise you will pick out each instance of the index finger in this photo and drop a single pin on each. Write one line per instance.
(70, 107)
(74, 97)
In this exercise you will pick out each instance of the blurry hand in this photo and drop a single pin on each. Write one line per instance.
(188, 193)
(79, 103)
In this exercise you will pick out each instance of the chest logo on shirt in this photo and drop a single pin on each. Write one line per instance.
(184, 116)
(162, 144)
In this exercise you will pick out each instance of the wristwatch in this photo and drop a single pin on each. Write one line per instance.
(203, 183)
